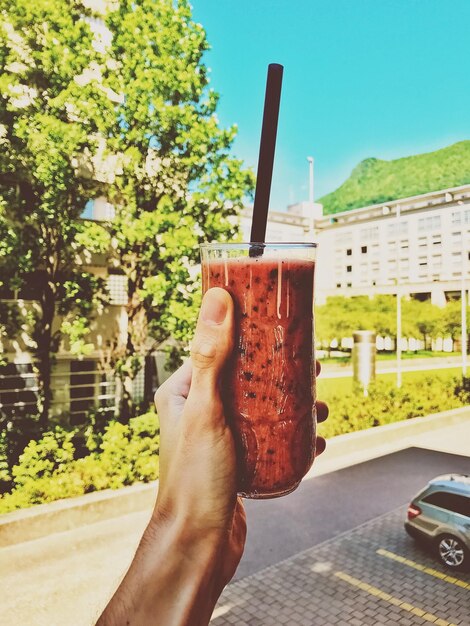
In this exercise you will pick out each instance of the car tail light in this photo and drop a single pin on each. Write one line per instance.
(413, 511)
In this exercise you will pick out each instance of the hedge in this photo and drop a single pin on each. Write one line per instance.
(48, 470)
(123, 454)
(386, 403)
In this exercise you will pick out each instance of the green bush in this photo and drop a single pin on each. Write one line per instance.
(385, 404)
(127, 453)
(48, 471)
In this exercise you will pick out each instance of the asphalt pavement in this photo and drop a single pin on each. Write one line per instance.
(327, 505)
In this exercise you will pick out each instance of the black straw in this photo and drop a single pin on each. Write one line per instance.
(266, 153)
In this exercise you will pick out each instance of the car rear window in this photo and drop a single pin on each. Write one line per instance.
(449, 501)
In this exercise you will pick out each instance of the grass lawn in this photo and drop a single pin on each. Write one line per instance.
(329, 386)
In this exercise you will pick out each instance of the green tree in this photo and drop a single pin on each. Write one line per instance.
(423, 319)
(48, 133)
(176, 184)
(113, 104)
(450, 321)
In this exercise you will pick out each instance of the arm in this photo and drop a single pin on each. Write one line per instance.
(196, 535)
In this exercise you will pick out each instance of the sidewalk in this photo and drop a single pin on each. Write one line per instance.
(339, 370)
(346, 450)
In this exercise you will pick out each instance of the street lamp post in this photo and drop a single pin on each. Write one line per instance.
(463, 297)
(398, 299)
(310, 180)
(311, 198)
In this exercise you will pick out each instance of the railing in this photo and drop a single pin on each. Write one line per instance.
(71, 395)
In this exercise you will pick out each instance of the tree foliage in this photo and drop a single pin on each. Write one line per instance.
(374, 180)
(47, 125)
(177, 184)
(341, 316)
(113, 105)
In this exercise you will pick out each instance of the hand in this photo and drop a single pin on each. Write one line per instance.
(195, 539)
(197, 452)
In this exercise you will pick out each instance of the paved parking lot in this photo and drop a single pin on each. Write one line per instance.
(374, 574)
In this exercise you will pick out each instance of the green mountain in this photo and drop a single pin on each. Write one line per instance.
(375, 180)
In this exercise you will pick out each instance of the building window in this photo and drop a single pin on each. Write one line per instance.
(117, 288)
(348, 284)
(369, 234)
(432, 222)
(349, 268)
(338, 285)
(349, 252)
(457, 217)
(393, 229)
(343, 239)
(82, 390)
(363, 249)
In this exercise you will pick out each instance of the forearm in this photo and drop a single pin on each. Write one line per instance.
(173, 580)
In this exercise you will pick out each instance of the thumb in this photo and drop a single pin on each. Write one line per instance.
(213, 340)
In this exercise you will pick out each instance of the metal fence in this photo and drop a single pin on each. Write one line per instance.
(78, 387)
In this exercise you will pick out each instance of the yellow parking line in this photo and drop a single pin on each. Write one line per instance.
(378, 593)
(423, 568)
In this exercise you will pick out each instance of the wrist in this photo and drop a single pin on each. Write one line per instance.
(173, 580)
(188, 565)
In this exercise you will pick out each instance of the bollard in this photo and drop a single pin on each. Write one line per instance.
(363, 357)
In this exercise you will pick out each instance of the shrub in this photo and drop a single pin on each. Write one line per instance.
(41, 459)
(127, 453)
(47, 470)
(386, 404)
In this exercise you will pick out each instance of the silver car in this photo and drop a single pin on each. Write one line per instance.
(440, 514)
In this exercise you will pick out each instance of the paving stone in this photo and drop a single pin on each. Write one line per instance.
(344, 582)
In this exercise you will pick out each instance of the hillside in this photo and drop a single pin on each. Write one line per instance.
(375, 180)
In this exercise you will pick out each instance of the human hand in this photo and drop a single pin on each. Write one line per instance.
(197, 453)
(196, 536)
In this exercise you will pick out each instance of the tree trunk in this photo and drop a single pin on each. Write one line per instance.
(44, 352)
(151, 382)
(127, 404)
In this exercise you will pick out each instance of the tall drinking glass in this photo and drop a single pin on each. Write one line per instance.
(269, 384)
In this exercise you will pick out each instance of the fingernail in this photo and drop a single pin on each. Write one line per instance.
(214, 308)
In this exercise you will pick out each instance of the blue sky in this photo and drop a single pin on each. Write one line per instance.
(362, 78)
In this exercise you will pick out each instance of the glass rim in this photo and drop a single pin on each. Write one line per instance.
(246, 245)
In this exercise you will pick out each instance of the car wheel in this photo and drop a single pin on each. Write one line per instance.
(452, 552)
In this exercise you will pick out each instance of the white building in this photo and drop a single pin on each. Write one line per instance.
(422, 243)
(297, 224)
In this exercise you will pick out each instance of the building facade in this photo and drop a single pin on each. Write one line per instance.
(421, 243)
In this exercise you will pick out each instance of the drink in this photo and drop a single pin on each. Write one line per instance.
(269, 387)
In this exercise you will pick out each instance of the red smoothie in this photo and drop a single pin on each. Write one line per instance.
(269, 388)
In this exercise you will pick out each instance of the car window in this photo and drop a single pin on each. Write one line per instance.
(449, 501)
